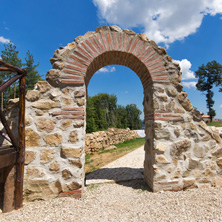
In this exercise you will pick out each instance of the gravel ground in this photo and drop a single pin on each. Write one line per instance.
(129, 201)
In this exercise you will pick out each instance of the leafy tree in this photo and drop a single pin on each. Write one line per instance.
(133, 116)
(103, 112)
(209, 75)
(9, 55)
(33, 75)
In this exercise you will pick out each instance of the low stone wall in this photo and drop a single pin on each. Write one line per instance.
(102, 139)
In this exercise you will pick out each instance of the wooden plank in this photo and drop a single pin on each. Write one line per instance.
(21, 153)
(7, 159)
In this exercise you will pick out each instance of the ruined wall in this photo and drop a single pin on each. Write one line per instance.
(180, 150)
(102, 139)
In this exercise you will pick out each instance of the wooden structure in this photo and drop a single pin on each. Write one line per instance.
(12, 156)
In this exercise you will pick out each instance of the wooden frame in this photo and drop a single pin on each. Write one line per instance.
(14, 155)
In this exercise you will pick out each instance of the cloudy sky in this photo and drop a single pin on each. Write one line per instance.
(191, 31)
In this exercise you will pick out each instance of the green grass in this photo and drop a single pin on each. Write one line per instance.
(217, 124)
(125, 146)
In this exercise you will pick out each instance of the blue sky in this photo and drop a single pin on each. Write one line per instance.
(190, 30)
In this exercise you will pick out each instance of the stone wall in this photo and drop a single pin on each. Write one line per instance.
(102, 139)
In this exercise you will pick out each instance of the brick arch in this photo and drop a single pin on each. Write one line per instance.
(178, 144)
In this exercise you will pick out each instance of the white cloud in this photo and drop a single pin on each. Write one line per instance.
(163, 21)
(4, 40)
(221, 106)
(107, 69)
(189, 84)
(185, 66)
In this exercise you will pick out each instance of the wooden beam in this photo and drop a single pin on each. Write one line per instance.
(5, 69)
(12, 68)
(10, 82)
(21, 153)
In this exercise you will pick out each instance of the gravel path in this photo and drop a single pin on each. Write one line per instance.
(124, 201)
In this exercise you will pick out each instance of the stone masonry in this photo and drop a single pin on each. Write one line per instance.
(180, 151)
(103, 139)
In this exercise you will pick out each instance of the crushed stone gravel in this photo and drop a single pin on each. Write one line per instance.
(126, 201)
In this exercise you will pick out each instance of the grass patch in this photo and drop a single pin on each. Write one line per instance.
(103, 157)
(217, 124)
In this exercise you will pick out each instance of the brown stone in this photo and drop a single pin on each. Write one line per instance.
(66, 100)
(66, 174)
(45, 104)
(198, 151)
(194, 164)
(161, 159)
(29, 157)
(46, 125)
(179, 110)
(74, 186)
(115, 28)
(161, 147)
(71, 152)
(219, 162)
(81, 102)
(129, 32)
(78, 124)
(218, 153)
(176, 174)
(162, 134)
(187, 105)
(28, 121)
(66, 91)
(31, 138)
(177, 132)
(46, 156)
(71, 45)
(65, 124)
(73, 136)
(79, 93)
(42, 86)
(76, 163)
(36, 189)
(144, 37)
(58, 186)
(179, 147)
(39, 112)
(53, 74)
(53, 140)
(163, 98)
(54, 166)
(188, 184)
(32, 95)
(34, 172)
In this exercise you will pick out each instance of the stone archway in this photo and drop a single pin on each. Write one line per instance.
(179, 147)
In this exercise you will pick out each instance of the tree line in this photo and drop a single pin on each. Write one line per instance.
(102, 112)
(10, 55)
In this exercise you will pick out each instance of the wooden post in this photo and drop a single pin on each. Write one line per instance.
(20, 160)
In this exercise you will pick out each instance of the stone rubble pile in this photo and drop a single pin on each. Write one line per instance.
(102, 139)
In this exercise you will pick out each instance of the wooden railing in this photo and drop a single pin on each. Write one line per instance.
(13, 155)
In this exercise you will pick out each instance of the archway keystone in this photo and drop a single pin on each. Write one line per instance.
(180, 150)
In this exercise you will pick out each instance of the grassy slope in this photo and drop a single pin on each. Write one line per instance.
(100, 159)
(217, 124)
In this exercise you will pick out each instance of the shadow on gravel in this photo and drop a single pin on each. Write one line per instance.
(125, 176)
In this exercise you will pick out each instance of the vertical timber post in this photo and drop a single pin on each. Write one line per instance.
(20, 160)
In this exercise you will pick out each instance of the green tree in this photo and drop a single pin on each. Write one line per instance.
(209, 75)
(33, 75)
(133, 117)
(103, 112)
(9, 55)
